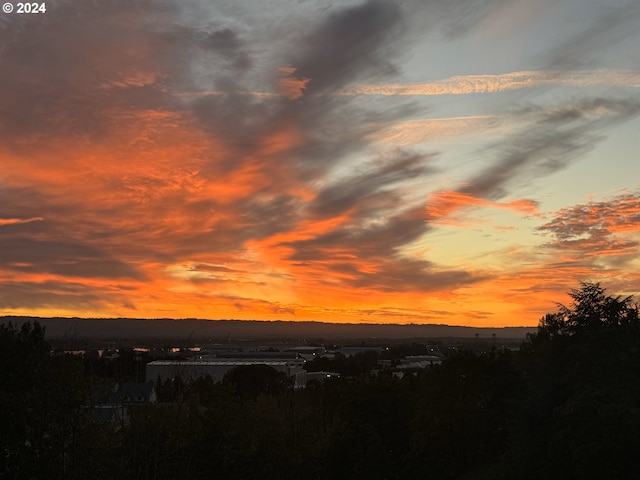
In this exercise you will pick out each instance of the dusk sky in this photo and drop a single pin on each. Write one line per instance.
(464, 162)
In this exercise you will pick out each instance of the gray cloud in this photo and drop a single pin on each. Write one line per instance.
(350, 44)
(346, 45)
(451, 19)
(343, 250)
(52, 75)
(61, 257)
(552, 138)
(377, 240)
(555, 137)
(370, 189)
(606, 33)
(403, 275)
(66, 295)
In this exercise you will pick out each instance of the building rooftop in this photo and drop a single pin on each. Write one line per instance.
(223, 361)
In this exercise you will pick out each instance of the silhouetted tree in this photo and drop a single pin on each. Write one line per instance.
(40, 405)
(464, 420)
(252, 380)
(582, 408)
(593, 310)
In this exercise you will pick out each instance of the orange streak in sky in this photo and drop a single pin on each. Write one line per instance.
(291, 87)
(442, 206)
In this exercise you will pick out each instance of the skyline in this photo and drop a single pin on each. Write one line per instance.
(452, 162)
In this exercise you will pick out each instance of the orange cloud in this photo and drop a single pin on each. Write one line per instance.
(291, 87)
(598, 228)
(461, 84)
(416, 131)
(443, 206)
(16, 221)
(467, 84)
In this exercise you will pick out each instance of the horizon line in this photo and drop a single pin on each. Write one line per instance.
(267, 321)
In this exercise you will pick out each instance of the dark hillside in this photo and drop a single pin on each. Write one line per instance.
(253, 329)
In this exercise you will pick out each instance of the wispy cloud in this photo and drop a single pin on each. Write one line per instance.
(17, 221)
(600, 37)
(448, 207)
(549, 140)
(435, 129)
(61, 295)
(467, 84)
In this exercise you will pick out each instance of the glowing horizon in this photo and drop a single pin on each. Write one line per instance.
(374, 162)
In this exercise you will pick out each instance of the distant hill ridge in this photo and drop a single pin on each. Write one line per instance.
(253, 329)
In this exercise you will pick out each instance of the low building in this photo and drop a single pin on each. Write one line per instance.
(307, 352)
(420, 361)
(216, 369)
(352, 351)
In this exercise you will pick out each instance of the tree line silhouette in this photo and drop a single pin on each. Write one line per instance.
(566, 405)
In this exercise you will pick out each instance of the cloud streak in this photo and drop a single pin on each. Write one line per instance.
(552, 138)
(468, 84)
(447, 207)
(17, 221)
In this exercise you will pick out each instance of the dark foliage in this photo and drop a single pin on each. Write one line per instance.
(565, 406)
(252, 380)
(347, 366)
(40, 405)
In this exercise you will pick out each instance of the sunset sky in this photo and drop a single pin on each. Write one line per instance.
(464, 162)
